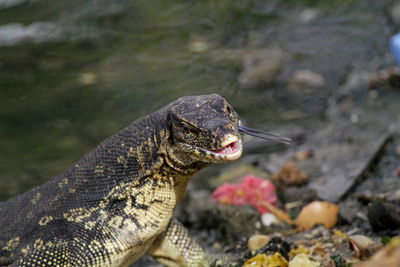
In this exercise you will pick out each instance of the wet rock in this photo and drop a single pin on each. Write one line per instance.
(10, 3)
(351, 210)
(343, 160)
(383, 215)
(302, 80)
(308, 14)
(296, 193)
(16, 33)
(260, 67)
(342, 153)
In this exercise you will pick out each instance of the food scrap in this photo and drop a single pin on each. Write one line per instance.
(290, 174)
(252, 190)
(302, 260)
(262, 260)
(318, 212)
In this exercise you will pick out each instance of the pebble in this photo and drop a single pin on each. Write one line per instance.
(257, 241)
(87, 78)
(309, 14)
(198, 44)
(303, 79)
(268, 219)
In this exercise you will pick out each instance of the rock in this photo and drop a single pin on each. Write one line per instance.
(308, 14)
(260, 67)
(350, 210)
(342, 153)
(225, 223)
(305, 79)
(16, 33)
(198, 44)
(299, 193)
(88, 78)
(268, 219)
(342, 161)
(383, 215)
(257, 241)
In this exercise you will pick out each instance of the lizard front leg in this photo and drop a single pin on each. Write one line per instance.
(175, 247)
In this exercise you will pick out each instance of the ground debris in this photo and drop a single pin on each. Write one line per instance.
(302, 260)
(252, 190)
(318, 212)
(290, 174)
(263, 260)
(304, 154)
(389, 256)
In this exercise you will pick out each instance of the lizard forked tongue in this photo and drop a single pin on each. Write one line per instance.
(264, 135)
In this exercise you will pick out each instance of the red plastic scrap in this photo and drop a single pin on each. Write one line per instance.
(252, 190)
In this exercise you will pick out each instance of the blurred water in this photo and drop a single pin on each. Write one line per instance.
(74, 72)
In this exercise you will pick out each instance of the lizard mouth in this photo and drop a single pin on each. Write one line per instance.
(231, 149)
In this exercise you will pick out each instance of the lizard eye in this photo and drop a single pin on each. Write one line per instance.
(230, 113)
(189, 134)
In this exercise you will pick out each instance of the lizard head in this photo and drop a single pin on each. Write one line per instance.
(205, 129)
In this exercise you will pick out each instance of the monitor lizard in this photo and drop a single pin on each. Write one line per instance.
(116, 202)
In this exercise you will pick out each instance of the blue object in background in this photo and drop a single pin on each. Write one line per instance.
(395, 47)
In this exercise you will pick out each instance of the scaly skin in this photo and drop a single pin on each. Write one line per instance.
(116, 203)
